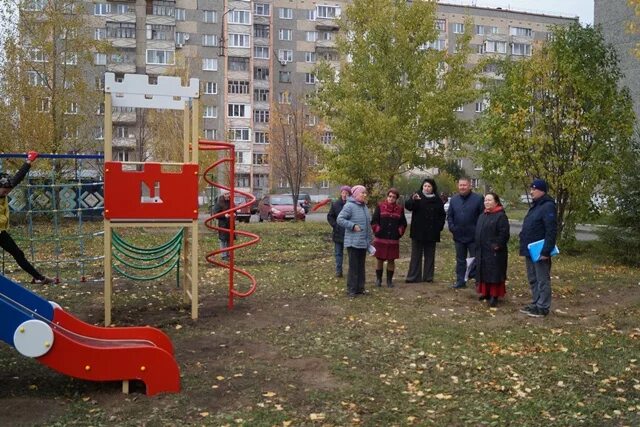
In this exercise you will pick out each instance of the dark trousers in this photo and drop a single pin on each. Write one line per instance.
(463, 250)
(8, 244)
(420, 250)
(339, 255)
(539, 276)
(355, 276)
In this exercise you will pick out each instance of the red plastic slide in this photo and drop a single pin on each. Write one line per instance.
(95, 353)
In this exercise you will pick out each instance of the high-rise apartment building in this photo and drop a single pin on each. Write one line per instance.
(252, 55)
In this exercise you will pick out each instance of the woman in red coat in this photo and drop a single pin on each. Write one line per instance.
(388, 224)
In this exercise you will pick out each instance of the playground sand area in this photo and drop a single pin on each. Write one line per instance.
(298, 352)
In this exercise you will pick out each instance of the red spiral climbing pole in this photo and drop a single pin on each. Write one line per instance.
(229, 151)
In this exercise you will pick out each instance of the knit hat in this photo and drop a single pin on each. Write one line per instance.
(357, 190)
(539, 184)
(345, 188)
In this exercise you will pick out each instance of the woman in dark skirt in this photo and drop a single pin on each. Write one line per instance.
(388, 224)
(492, 236)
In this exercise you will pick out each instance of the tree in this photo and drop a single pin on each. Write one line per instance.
(292, 135)
(395, 91)
(560, 116)
(50, 101)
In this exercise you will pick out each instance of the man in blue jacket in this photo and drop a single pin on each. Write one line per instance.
(464, 210)
(539, 223)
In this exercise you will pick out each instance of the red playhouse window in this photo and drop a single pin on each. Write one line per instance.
(150, 191)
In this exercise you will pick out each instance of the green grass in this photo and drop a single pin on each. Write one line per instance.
(298, 352)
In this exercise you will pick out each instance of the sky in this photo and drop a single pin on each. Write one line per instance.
(570, 8)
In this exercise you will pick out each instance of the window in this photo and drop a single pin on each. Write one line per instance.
(260, 73)
(160, 57)
(121, 30)
(261, 52)
(100, 110)
(284, 97)
(481, 106)
(122, 156)
(180, 37)
(243, 157)
(284, 77)
(161, 8)
(122, 9)
(210, 112)
(238, 40)
(210, 134)
(236, 63)
(311, 14)
(311, 36)
(521, 49)
(239, 110)
(261, 31)
(72, 108)
(495, 46)
(327, 35)
(101, 9)
(310, 57)
(35, 5)
(260, 159)
(242, 180)
(327, 12)
(209, 40)
(327, 138)
(101, 59)
(435, 45)
(262, 9)
(209, 16)
(520, 31)
(209, 64)
(309, 78)
(70, 58)
(480, 30)
(458, 28)
(160, 32)
(491, 30)
(121, 132)
(238, 86)
(210, 88)
(239, 17)
(261, 95)
(98, 132)
(285, 13)
(261, 137)
(239, 134)
(310, 119)
(285, 55)
(181, 14)
(441, 24)
(100, 34)
(324, 184)
(459, 109)
(285, 34)
(261, 116)
(480, 48)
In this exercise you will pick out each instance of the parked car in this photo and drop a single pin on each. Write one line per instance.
(243, 214)
(304, 200)
(278, 207)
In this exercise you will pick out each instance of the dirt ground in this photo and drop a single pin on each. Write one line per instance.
(226, 342)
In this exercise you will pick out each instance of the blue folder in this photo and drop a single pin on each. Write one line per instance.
(535, 248)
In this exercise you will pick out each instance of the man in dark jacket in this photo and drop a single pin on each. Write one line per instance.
(223, 202)
(539, 223)
(338, 232)
(462, 216)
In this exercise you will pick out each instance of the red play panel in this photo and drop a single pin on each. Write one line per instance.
(150, 193)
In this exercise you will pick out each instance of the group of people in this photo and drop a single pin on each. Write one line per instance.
(480, 230)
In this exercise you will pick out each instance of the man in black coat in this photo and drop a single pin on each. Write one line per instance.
(338, 232)
(540, 223)
(223, 202)
(462, 216)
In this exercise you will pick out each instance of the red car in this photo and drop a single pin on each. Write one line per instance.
(278, 207)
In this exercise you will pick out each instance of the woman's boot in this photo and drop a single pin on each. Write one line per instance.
(389, 278)
(378, 278)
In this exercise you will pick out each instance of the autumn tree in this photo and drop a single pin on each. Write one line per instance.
(561, 116)
(46, 82)
(396, 90)
(293, 134)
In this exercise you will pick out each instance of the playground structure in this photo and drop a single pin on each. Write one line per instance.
(41, 330)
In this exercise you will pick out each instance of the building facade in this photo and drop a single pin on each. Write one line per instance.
(253, 55)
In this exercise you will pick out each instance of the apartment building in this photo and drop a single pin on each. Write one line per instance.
(251, 55)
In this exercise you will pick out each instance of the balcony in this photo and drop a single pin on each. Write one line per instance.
(327, 24)
(128, 142)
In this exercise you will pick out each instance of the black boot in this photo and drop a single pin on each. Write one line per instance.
(389, 279)
(378, 278)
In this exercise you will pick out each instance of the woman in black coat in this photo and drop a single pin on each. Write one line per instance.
(492, 236)
(427, 221)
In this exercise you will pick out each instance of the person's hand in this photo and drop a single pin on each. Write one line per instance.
(31, 156)
(357, 228)
(542, 257)
(415, 196)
